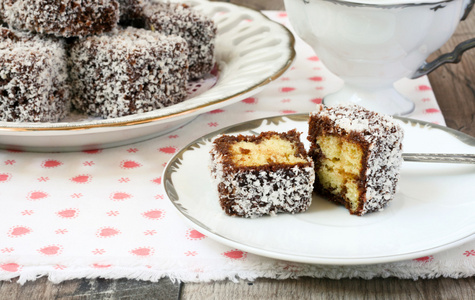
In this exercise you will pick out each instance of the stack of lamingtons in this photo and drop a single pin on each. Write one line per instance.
(105, 58)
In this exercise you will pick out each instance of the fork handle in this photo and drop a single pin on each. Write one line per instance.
(440, 158)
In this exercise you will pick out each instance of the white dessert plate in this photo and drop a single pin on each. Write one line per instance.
(251, 51)
(432, 211)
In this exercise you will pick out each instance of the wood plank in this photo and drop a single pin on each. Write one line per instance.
(454, 84)
(99, 288)
(351, 289)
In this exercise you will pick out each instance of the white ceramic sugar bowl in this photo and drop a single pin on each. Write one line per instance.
(371, 44)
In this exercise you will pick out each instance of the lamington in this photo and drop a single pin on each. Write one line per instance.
(62, 18)
(357, 155)
(172, 18)
(197, 29)
(262, 175)
(128, 71)
(33, 78)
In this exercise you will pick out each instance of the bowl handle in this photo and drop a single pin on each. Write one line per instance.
(452, 57)
(468, 8)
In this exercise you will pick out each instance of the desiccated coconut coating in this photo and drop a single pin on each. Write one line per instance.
(357, 155)
(262, 175)
(197, 29)
(128, 71)
(64, 18)
(33, 78)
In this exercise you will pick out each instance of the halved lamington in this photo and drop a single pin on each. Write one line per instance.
(33, 78)
(357, 155)
(128, 71)
(63, 18)
(262, 175)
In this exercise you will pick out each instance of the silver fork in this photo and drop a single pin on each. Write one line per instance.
(440, 158)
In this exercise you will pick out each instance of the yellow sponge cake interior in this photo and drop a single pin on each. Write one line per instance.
(340, 168)
(268, 151)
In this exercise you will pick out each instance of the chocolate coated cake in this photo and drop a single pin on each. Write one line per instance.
(33, 78)
(357, 155)
(198, 30)
(128, 71)
(179, 19)
(262, 175)
(63, 18)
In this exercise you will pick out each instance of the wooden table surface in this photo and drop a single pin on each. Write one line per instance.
(454, 88)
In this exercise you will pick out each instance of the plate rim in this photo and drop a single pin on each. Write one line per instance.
(11, 127)
(169, 190)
